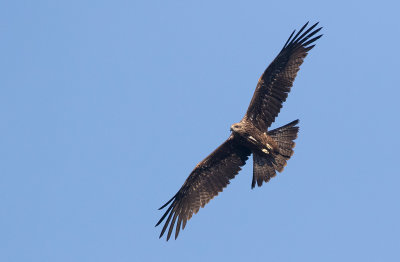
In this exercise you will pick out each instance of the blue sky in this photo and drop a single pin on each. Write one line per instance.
(106, 107)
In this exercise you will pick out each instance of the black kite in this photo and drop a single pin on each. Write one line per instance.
(270, 149)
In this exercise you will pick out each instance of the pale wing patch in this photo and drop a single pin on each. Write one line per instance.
(252, 138)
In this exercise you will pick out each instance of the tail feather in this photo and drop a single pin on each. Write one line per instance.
(263, 170)
(265, 166)
(284, 137)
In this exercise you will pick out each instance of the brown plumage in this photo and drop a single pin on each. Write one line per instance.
(270, 149)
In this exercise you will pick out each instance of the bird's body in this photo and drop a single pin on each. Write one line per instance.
(271, 149)
(250, 136)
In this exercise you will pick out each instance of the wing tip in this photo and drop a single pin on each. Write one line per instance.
(300, 39)
(169, 201)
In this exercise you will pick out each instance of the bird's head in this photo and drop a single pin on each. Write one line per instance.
(236, 127)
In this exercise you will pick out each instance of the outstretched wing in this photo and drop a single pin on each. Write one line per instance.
(208, 178)
(275, 83)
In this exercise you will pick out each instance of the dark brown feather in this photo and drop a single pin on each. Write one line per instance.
(265, 166)
(275, 83)
(208, 178)
(263, 169)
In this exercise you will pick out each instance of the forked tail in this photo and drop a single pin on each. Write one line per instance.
(265, 166)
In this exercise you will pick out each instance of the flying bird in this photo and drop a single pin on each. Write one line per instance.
(271, 149)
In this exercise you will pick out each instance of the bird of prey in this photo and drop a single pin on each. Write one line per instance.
(271, 149)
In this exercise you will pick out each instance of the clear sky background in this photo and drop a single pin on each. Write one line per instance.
(107, 106)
